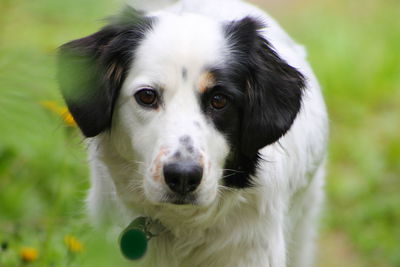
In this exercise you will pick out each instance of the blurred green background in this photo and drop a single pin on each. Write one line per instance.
(354, 47)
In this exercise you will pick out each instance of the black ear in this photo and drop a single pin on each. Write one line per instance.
(273, 89)
(92, 69)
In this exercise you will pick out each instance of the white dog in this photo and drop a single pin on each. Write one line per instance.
(206, 118)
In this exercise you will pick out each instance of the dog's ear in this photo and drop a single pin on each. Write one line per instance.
(92, 69)
(273, 89)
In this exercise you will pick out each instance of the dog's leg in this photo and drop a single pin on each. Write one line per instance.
(276, 245)
(271, 254)
(265, 241)
(307, 206)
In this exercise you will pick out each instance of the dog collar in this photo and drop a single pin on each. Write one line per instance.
(134, 239)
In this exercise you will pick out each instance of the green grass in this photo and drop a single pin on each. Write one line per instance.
(354, 49)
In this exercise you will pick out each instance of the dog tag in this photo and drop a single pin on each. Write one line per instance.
(133, 240)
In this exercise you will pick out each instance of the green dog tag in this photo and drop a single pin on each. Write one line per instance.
(133, 240)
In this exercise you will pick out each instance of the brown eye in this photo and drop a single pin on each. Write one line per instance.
(219, 101)
(147, 97)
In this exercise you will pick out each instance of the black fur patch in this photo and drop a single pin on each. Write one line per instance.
(92, 69)
(265, 97)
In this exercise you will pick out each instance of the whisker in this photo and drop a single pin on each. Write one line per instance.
(137, 162)
(232, 170)
(229, 175)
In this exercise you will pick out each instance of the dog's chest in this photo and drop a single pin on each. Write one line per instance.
(236, 237)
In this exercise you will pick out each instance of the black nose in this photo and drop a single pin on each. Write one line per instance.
(183, 177)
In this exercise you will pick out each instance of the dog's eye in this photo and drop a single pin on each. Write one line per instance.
(219, 101)
(147, 97)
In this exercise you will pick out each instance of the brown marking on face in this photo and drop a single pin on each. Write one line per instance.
(156, 170)
(206, 80)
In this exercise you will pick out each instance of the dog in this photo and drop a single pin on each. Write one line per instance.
(205, 117)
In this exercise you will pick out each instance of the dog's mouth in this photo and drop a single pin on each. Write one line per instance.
(178, 199)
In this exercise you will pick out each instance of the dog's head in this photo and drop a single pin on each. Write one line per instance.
(190, 98)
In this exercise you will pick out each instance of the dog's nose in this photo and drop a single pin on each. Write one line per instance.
(183, 177)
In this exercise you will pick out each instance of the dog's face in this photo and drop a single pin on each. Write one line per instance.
(191, 99)
(165, 110)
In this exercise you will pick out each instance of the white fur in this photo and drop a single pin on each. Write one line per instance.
(271, 224)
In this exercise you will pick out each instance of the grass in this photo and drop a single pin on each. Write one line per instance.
(354, 49)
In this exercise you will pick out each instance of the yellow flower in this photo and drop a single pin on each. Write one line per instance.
(28, 254)
(73, 244)
(68, 119)
(60, 111)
